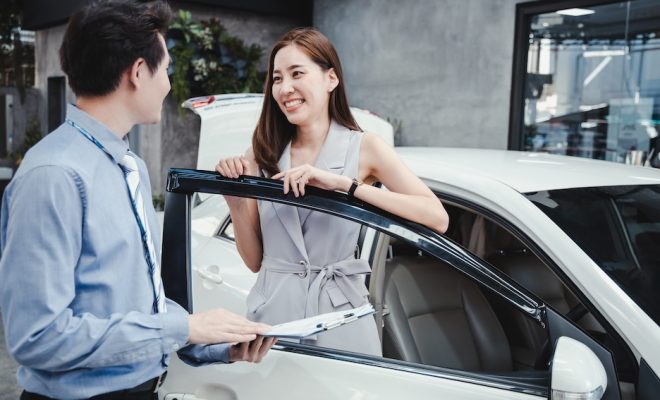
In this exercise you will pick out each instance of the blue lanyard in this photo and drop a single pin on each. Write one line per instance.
(143, 231)
(90, 137)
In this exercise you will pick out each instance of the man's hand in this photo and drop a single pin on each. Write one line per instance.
(253, 351)
(222, 326)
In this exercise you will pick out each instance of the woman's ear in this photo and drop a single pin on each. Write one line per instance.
(333, 81)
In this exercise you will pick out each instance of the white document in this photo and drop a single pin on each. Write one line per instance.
(309, 326)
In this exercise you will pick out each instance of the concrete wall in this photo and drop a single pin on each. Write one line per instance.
(173, 142)
(441, 67)
(47, 65)
(23, 112)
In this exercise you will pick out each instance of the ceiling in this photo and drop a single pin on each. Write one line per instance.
(639, 18)
(42, 14)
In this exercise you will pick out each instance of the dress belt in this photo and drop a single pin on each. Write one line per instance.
(339, 271)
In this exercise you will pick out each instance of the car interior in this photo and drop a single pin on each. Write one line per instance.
(432, 314)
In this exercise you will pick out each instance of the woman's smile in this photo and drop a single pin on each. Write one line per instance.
(293, 105)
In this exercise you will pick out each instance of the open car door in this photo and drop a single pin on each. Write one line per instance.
(298, 371)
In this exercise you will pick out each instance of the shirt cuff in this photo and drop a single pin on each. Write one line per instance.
(174, 329)
(200, 355)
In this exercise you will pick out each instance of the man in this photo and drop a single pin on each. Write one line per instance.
(82, 300)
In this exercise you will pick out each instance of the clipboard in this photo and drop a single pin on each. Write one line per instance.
(309, 326)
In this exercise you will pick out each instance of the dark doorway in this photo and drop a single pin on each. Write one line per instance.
(56, 101)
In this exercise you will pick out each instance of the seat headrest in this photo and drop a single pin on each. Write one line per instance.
(529, 272)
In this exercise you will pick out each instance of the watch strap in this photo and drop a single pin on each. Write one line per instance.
(354, 186)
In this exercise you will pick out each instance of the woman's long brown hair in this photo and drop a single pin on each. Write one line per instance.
(274, 131)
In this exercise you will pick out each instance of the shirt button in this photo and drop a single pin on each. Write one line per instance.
(302, 262)
(303, 274)
(176, 347)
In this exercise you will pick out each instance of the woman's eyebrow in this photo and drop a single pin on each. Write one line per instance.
(277, 71)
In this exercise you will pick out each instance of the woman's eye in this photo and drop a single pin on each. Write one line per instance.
(297, 74)
(276, 79)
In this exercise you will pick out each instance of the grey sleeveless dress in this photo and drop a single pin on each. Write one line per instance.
(309, 264)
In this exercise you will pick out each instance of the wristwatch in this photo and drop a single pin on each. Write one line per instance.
(354, 186)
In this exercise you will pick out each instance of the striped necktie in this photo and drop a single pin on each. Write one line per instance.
(129, 166)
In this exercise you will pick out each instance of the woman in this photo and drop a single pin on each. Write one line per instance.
(306, 135)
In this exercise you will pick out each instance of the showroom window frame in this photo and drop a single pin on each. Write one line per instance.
(524, 14)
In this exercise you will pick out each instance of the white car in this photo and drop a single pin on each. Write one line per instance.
(546, 284)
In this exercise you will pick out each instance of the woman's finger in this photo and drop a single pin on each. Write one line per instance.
(222, 168)
(246, 165)
(238, 166)
(285, 182)
(302, 182)
(293, 181)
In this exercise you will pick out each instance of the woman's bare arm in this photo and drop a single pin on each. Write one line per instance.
(407, 196)
(244, 212)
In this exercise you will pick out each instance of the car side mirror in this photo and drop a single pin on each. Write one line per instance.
(577, 373)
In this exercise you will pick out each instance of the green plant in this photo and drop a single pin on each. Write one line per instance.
(159, 202)
(208, 60)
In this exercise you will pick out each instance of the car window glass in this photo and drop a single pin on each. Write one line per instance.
(619, 228)
(435, 315)
(506, 252)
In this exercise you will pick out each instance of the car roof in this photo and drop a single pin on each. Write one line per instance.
(524, 171)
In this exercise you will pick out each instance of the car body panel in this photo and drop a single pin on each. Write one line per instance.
(525, 171)
(286, 375)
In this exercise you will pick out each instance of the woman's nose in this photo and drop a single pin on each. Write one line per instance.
(287, 86)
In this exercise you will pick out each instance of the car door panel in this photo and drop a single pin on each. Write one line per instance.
(288, 375)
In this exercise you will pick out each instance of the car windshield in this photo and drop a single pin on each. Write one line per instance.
(619, 228)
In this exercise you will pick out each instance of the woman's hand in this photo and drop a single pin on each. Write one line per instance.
(232, 167)
(297, 178)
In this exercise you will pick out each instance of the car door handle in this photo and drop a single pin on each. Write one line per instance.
(182, 396)
(210, 273)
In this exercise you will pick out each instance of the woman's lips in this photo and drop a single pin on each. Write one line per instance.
(293, 105)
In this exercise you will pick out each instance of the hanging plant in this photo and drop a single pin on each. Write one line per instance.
(207, 60)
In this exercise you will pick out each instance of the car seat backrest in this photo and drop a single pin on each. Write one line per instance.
(440, 317)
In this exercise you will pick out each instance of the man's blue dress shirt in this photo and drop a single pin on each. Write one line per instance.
(75, 291)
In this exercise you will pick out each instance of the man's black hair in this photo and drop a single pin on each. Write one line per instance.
(106, 37)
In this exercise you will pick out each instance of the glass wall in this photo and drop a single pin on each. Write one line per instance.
(592, 82)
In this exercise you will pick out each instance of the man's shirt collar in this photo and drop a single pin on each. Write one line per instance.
(115, 146)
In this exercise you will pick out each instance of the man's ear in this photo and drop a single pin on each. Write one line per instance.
(137, 71)
(333, 81)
